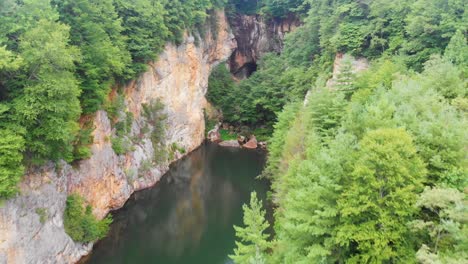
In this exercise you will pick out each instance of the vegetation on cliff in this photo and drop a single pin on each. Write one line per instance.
(59, 60)
(372, 169)
(80, 223)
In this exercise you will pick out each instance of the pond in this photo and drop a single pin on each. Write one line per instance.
(188, 216)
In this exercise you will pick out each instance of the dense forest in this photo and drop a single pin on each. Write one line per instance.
(371, 168)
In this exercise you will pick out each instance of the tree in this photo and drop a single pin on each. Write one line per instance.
(48, 106)
(308, 218)
(429, 26)
(441, 75)
(96, 29)
(378, 198)
(444, 220)
(457, 49)
(79, 222)
(11, 157)
(252, 241)
(146, 32)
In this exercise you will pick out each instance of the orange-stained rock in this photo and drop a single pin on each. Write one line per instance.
(179, 79)
(252, 143)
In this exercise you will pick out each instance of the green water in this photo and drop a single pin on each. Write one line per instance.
(187, 217)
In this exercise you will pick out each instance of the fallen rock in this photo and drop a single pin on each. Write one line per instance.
(241, 139)
(252, 143)
(214, 135)
(262, 144)
(230, 143)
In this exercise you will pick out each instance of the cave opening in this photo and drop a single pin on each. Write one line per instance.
(245, 71)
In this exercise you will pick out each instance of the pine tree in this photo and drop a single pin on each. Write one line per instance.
(457, 49)
(252, 241)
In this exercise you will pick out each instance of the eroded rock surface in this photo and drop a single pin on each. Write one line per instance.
(178, 79)
(256, 36)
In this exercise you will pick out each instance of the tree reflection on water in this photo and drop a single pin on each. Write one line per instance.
(188, 216)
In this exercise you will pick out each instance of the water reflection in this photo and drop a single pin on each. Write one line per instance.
(188, 217)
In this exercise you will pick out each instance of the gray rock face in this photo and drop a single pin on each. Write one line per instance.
(106, 180)
(255, 36)
(230, 143)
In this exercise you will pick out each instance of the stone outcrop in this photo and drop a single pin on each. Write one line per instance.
(251, 144)
(230, 143)
(255, 36)
(356, 65)
(179, 80)
(214, 135)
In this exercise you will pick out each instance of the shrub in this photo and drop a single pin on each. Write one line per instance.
(42, 213)
(79, 222)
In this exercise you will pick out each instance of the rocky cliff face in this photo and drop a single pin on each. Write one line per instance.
(179, 80)
(255, 36)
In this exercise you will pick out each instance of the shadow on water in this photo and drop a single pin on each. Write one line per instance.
(188, 216)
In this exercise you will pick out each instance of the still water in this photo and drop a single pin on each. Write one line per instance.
(187, 217)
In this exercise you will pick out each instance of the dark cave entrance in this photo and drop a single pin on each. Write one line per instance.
(246, 70)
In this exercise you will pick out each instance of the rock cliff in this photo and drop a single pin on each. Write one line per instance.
(31, 225)
(255, 36)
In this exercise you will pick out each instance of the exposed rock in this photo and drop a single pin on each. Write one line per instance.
(262, 144)
(230, 143)
(252, 143)
(256, 36)
(214, 135)
(241, 139)
(179, 79)
(357, 65)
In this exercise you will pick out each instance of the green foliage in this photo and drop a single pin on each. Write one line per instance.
(221, 91)
(42, 213)
(146, 31)
(227, 135)
(59, 58)
(378, 198)
(255, 101)
(97, 31)
(348, 167)
(252, 241)
(444, 77)
(82, 149)
(447, 234)
(155, 116)
(48, 106)
(276, 144)
(80, 223)
(11, 169)
(247, 7)
(430, 25)
(457, 50)
(120, 145)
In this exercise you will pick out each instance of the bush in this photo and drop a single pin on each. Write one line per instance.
(79, 222)
(42, 213)
(226, 135)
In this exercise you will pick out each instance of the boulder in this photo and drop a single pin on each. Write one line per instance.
(252, 143)
(241, 139)
(214, 135)
(262, 144)
(230, 143)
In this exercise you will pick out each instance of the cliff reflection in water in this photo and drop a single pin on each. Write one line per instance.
(188, 216)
